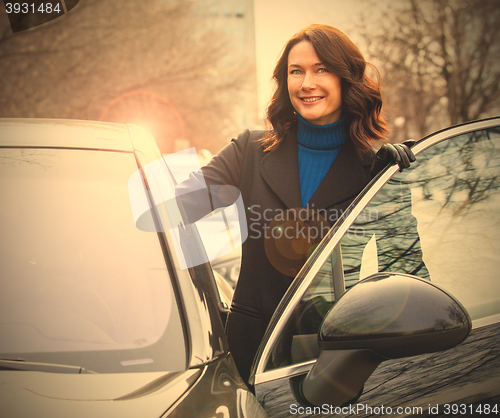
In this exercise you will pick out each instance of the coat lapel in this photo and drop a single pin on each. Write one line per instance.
(345, 179)
(280, 170)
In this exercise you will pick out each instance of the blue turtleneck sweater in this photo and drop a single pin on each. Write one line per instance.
(318, 146)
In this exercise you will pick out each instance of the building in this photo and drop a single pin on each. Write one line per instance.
(236, 18)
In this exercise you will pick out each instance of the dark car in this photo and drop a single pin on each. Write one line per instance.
(97, 317)
(395, 313)
(407, 242)
(221, 234)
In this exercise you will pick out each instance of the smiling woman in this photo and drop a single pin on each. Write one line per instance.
(325, 114)
(322, 62)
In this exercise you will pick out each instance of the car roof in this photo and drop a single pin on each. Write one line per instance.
(65, 133)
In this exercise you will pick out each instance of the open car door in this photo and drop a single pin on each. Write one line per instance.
(380, 315)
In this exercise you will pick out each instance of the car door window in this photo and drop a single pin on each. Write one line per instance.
(439, 220)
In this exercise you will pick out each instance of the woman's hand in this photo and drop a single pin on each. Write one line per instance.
(393, 153)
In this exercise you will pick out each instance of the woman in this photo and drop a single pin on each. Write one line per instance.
(296, 179)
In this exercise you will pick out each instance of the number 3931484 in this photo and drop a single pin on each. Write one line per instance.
(27, 15)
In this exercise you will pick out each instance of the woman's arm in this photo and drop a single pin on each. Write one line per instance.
(216, 184)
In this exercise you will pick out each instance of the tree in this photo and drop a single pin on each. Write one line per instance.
(118, 60)
(440, 60)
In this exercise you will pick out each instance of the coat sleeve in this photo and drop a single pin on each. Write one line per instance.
(216, 184)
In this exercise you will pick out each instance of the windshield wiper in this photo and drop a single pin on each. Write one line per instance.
(20, 364)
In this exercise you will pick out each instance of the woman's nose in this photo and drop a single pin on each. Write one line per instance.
(308, 83)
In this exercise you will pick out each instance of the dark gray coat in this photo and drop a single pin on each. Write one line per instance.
(269, 185)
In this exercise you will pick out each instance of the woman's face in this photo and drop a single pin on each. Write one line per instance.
(315, 92)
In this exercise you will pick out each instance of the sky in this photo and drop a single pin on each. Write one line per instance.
(278, 20)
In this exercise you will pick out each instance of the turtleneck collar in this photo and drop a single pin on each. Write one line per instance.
(321, 137)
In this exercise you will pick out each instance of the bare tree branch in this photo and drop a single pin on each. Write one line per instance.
(76, 65)
(440, 60)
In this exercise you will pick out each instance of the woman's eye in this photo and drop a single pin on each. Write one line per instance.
(295, 72)
(323, 70)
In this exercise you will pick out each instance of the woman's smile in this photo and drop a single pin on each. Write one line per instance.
(311, 99)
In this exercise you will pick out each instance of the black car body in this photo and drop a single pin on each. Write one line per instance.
(99, 317)
(439, 221)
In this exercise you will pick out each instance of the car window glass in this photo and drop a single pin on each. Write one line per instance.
(78, 278)
(438, 220)
(222, 231)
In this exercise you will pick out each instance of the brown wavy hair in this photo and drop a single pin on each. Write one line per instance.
(361, 95)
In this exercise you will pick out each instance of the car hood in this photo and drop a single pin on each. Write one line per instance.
(53, 395)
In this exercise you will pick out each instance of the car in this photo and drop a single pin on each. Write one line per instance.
(358, 333)
(97, 317)
(221, 235)
(110, 308)
(228, 266)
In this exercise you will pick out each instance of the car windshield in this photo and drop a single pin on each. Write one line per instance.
(81, 285)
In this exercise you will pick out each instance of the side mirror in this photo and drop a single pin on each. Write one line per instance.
(386, 316)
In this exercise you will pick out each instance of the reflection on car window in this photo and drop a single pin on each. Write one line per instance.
(79, 281)
(438, 220)
(456, 200)
(385, 236)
